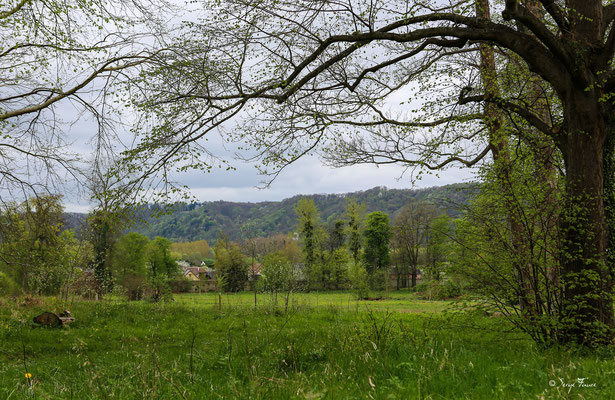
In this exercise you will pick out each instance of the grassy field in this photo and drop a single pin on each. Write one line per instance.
(327, 345)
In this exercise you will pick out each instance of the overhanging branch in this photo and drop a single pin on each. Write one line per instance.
(506, 105)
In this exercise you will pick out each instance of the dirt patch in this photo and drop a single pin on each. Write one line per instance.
(31, 302)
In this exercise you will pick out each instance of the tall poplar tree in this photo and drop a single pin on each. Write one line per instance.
(308, 223)
(377, 234)
(354, 218)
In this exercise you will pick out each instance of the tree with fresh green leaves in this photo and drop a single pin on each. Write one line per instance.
(401, 265)
(337, 234)
(34, 251)
(377, 234)
(535, 155)
(103, 236)
(412, 225)
(337, 262)
(194, 252)
(354, 219)
(160, 261)
(359, 279)
(309, 229)
(230, 265)
(521, 281)
(437, 246)
(130, 264)
(162, 267)
(290, 249)
(278, 275)
(331, 270)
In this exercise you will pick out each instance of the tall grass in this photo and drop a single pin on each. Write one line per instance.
(340, 349)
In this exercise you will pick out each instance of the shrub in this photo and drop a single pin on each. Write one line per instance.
(278, 273)
(359, 280)
(7, 286)
(231, 266)
(448, 290)
(85, 285)
(180, 285)
(422, 287)
(438, 290)
(159, 289)
(135, 287)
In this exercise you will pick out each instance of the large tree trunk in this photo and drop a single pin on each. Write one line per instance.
(587, 313)
(609, 196)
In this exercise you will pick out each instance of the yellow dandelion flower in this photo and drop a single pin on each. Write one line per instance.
(28, 375)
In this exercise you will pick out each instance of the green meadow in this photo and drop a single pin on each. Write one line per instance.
(322, 345)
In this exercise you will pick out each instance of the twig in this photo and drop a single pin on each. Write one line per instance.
(230, 368)
(247, 344)
(191, 356)
(282, 327)
(23, 352)
(168, 380)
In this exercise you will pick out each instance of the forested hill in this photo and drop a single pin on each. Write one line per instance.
(207, 220)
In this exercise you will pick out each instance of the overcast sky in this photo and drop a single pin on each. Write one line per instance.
(307, 176)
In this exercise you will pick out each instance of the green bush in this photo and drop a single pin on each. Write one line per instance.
(422, 287)
(448, 290)
(134, 287)
(7, 286)
(159, 289)
(438, 290)
(180, 285)
(378, 279)
(359, 279)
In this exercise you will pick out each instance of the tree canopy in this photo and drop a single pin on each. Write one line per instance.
(377, 235)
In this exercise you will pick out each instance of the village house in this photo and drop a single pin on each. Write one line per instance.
(199, 273)
(200, 279)
(188, 274)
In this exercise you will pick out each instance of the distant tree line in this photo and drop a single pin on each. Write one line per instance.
(191, 222)
(356, 250)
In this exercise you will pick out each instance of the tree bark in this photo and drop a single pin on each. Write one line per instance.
(587, 314)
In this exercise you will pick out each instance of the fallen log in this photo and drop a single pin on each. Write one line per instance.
(66, 317)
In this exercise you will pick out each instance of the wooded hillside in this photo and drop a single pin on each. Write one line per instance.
(189, 222)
